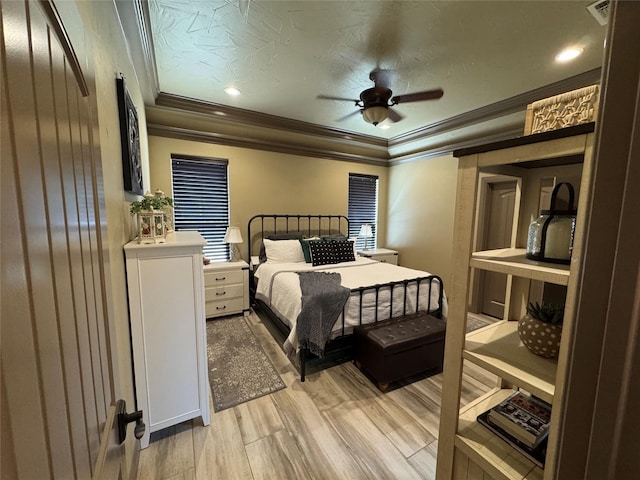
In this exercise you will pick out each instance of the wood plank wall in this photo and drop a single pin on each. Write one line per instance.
(57, 380)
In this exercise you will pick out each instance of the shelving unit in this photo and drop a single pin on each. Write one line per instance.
(498, 349)
(466, 449)
(512, 261)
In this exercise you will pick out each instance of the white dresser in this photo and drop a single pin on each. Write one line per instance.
(166, 307)
(226, 288)
(381, 255)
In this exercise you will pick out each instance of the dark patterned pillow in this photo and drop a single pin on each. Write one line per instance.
(321, 253)
(305, 247)
(343, 251)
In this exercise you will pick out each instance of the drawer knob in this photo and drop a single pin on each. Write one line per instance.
(220, 293)
(220, 279)
(221, 308)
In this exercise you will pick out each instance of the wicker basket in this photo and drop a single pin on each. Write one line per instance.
(564, 110)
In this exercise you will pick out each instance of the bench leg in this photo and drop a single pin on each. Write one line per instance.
(303, 363)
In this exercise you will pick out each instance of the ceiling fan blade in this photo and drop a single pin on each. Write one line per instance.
(349, 115)
(329, 97)
(418, 96)
(394, 116)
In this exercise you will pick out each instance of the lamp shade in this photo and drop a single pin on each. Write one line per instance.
(233, 235)
(375, 115)
(365, 231)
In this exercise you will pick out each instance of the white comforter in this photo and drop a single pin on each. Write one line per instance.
(279, 287)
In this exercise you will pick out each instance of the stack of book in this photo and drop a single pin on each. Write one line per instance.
(523, 421)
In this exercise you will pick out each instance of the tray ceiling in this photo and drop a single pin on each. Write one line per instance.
(282, 54)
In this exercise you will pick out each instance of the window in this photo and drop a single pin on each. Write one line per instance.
(201, 201)
(363, 207)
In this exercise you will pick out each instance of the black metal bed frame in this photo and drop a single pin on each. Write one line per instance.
(316, 225)
(340, 346)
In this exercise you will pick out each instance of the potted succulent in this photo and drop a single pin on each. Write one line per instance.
(155, 216)
(541, 328)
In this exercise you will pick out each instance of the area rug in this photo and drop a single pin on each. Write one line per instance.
(239, 369)
(474, 323)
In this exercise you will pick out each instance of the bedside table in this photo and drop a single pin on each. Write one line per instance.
(226, 288)
(381, 255)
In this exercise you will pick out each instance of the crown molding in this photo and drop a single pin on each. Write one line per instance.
(259, 144)
(501, 108)
(444, 150)
(250, 117)
(146, 37)
(302, 138)
(135, 23)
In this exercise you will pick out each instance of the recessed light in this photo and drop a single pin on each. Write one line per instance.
(233, 91)
(384, 127)
(568, 54)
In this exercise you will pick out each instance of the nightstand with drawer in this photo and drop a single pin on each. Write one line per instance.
(226, 288)
(381, 255)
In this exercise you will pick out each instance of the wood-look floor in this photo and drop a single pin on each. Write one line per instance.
(335, 425)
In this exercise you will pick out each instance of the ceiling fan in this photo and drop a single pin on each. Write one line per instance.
(375, 103)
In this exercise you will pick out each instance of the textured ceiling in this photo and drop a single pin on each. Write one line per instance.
(282, 54)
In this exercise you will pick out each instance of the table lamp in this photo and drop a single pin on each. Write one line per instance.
(233, 237)
(366, 232)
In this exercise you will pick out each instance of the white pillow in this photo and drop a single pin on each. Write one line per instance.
(283, 251)
(355, 249)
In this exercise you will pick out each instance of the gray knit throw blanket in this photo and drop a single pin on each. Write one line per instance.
(323, 299)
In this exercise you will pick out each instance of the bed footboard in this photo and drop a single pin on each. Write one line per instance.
(420, 282)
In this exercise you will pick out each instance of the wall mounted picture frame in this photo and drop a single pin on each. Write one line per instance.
(130, 139)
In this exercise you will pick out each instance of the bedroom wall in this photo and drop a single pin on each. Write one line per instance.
(421, 206)
(269, 182)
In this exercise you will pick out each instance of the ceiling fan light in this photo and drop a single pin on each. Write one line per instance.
(374, 115)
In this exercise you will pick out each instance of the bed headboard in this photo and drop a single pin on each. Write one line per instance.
(262, 225)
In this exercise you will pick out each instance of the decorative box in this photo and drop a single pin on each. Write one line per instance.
(564, 110)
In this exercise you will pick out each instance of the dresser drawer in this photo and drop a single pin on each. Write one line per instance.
(382, 255)
(224, 307)
(226, 288)
(388, 258)
(223, 277)
(223, 292)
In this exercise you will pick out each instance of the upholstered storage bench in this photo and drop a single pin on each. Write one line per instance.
(398, 348)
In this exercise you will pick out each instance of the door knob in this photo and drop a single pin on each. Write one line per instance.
(125, 418)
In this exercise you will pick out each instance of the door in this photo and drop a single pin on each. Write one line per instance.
(498, 226)
(58, 371)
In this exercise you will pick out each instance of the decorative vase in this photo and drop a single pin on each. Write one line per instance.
(540, 337)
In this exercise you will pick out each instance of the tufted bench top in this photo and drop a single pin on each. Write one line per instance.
(398, 334)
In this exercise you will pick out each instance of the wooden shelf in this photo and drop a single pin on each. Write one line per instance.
(513, 261)
(497, 348)
(466, 449)
(486, 449)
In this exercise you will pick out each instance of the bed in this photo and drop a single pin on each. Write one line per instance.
(295, 246)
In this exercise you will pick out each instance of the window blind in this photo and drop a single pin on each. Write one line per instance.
(363, 207)
(201, 201)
